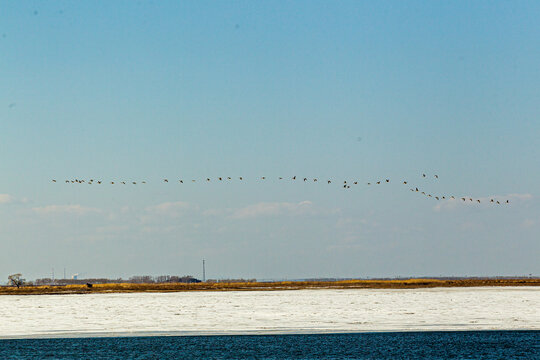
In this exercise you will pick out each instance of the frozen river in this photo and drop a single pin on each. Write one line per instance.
(253, 312)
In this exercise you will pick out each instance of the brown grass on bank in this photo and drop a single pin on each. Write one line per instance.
(282, 285)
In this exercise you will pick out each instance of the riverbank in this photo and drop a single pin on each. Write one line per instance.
(281, 285)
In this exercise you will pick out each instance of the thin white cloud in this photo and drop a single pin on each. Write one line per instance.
(348, 222)
(520, 197)
(528, 223)
(65, 209)
(217, 212)
(6, 199)
(471, 225)
(9, 199)
(274, 209)
(171, 209)
(450, 204)
(112, 229)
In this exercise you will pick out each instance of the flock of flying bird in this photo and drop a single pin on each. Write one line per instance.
(345, 184)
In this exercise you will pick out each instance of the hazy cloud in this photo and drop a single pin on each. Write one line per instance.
(171, 209)
(527, 223)
(6, 199)
(348, 222)
(9, 199)
(217, 212)
(65, 209)
(274, 209)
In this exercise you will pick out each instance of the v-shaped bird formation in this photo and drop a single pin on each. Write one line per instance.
(345, 184)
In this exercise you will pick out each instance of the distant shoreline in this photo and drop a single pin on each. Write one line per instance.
(267, 286)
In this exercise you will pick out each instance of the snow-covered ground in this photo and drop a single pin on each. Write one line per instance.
(247, 312)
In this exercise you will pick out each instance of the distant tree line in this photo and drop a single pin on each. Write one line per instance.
(231, 280)
(161, 279)
(17, 280)
(145, 279)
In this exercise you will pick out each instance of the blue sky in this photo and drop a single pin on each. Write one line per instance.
(349, 90)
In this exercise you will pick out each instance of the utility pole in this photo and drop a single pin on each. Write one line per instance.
(203, 271)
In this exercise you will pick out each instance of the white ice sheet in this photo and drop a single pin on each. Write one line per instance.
(296, 311)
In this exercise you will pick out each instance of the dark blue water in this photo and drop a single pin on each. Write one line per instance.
(413, 345)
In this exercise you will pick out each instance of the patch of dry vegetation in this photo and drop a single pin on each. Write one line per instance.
(282, 285)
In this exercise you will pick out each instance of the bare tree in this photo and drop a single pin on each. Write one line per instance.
(16, 280)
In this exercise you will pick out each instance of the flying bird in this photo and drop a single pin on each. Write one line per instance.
(424, 175)
(378, 182)
(436, 197)
(219, 179)
(207, 179)
(416, 189)
(240, 178)
(181, 181)
(405, 182)
(387, 180)
(228, 178)
(165, 180)
(329, 181)
(54, 180)
(508, 202)
(134, 183)
(478, 201)
(436, 176)
(356, 183)
(498, 202)
(294, 177)
(305, 179)
(463, 199)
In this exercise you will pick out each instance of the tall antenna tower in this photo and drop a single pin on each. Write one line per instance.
(203, 271)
